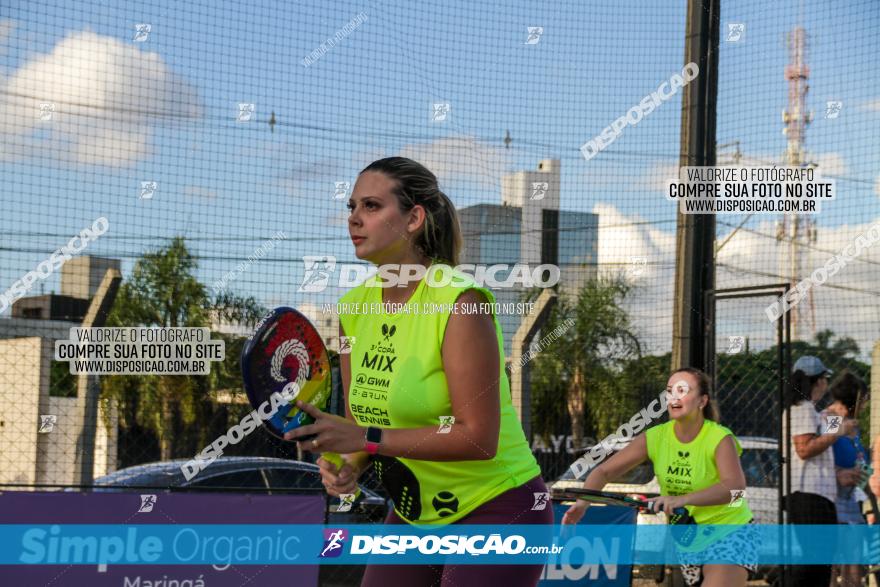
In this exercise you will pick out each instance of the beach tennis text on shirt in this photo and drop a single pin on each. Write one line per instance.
(140, 351)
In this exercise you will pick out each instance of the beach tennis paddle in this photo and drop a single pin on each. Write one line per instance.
(287, 349)
(686, 528)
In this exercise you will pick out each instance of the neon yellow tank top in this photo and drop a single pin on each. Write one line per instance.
(397, 381)
(688, 467)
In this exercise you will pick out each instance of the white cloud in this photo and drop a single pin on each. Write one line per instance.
(461, 158)
(841, 304)
(657, 175)
(623, 238)
(871, 106)
(107, 95)
(195, 191)
(831, 164)
(752, 257)
(7, 25)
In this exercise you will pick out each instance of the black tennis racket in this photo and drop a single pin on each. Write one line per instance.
(606, 498)
(286, 348)
(684, 532)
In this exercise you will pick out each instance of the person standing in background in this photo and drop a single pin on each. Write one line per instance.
(813, 491)
(849, 395)
(874, 481)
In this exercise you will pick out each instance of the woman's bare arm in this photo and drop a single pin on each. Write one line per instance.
(730, 474)
(472, 365)
(633, 454)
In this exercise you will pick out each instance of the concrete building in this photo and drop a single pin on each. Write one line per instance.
(43, 408)
(81, 276)
(528, 227)
(51, 307)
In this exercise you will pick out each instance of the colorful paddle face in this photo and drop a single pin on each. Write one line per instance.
(284, 349)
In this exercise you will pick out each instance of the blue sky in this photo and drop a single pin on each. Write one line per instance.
(229, 186)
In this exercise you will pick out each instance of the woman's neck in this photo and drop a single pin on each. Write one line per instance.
(687, 428)
(397, 294)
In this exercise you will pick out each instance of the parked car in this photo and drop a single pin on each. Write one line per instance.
(246, 474)
(760, 463)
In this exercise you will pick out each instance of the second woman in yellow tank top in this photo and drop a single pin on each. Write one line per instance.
(697, 464)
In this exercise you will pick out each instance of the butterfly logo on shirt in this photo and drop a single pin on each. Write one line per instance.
(388, 332)
(681, 467)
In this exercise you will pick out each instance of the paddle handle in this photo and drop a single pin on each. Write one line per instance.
(676, 511)
(336, 459)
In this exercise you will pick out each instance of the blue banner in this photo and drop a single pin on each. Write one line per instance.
(559, 569)
(311, 544)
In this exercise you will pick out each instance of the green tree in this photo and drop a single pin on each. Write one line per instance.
(583, 366)
(163, 291)
(840, 352)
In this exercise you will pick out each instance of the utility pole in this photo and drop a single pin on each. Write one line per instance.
(88, 386)
(796, 230)
(695, 233)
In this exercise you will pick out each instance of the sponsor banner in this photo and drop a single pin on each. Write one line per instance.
(277, 544)
(115, 512)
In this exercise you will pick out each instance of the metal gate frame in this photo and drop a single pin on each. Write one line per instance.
(783, 345)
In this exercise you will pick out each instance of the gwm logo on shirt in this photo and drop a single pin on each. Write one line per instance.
(362, 379)
(680, 467)
(380, 361)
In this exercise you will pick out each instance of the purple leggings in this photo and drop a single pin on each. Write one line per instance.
(511, 507)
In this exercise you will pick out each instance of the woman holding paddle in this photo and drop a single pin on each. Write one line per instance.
(696, 461)
(427, 398)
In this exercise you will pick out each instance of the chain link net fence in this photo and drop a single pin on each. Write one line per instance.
(191, 167)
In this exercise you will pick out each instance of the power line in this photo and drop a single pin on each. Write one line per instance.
(782, 277)
(804, 245)
(344, 238)
(258, 124)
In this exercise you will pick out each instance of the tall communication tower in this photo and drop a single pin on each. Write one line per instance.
(798, 231)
